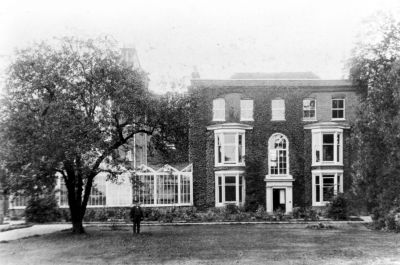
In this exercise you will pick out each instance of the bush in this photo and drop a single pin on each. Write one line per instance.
(42, 209)
(310, 214)
(260, 212)
(338, 208)
(231, 209)
(388, 222)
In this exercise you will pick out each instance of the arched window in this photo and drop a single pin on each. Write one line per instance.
(278, 156)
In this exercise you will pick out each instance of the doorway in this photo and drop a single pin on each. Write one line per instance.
(279, 200)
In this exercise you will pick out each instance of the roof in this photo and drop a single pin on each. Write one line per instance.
(277, 75)
(306, 83)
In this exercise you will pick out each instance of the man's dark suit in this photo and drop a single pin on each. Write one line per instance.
(136, 217)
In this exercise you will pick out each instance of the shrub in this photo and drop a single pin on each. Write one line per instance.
(231, 209)
(297, 213)
(338, 208)
(42, 209)
(310, 214)
(260, 212)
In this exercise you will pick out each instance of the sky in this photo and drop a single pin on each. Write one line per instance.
(218, 38)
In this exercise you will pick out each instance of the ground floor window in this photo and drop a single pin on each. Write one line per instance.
(18, 201)
(164, 189)
(326, 185)
(230, 188)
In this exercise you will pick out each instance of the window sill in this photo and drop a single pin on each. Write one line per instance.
(285, 177)
(320, 204)
(219, 120)
(327, 164)
(223, 204)
(338, 119)
(278, 120)
(313, 120)
(230, 165)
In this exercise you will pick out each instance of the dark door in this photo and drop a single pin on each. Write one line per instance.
(279, 199)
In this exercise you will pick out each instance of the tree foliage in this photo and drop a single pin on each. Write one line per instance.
(70, 103)
(375, 71)
(171, 141)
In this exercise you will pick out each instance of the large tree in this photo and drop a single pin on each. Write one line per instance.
(170, 144)
(375, 71)
(69, 105)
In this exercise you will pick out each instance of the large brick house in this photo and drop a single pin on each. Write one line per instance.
(286, 140)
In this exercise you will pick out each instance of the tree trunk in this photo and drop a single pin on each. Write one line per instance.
(77, 227)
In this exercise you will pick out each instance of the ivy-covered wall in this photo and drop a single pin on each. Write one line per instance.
(201, 143)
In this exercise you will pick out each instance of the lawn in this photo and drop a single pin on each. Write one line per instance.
(208, 244)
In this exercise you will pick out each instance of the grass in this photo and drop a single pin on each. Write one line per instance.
(208, 244)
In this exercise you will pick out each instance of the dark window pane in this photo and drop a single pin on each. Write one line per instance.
(220, 194)
(327, 153)
(327, 193)
(334, 104)
(230, 180)
(230, 193)
(328, 138)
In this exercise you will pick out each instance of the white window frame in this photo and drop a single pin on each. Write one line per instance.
(220, 134)
(309, 109)
(317, 146)
(344, 109)
(271, 147)
(219, 111)
(246, 111)
(223, 175)
(337, 185)
(277, 110)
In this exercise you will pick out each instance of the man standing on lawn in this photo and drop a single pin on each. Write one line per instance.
(136, 217)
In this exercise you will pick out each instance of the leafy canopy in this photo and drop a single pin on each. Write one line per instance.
(69, 104)
(375, 70)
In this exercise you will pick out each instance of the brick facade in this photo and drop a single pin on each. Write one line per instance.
(202, 150)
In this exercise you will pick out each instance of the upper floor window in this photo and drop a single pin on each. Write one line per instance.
(338, 109)
(246, 110)
(309, 109)
(229, 148)
(278, 147)
(219, 109)
(278, 109)
(327, 146)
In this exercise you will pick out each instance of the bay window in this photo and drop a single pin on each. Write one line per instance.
(325, 185)
(229, 147)
(327, 146)
(230, 188)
